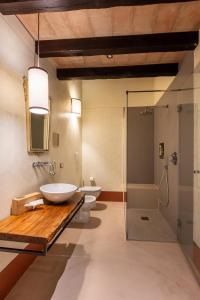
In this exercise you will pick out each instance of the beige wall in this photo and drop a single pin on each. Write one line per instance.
(70, 136)
(16, 171)
(17, 176)
(103, 126)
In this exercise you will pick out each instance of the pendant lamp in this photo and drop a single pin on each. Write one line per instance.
(38, 86)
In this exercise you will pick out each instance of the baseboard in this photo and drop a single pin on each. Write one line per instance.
(14, 270)
(111, 196)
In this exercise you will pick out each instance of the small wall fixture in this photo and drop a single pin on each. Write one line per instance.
(38, 87)
(76, 106)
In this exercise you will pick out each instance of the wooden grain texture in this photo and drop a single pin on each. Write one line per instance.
(27, 6)
(115, 21)
(40, 225)
(118, 60)
(18, 207)
(160, 18)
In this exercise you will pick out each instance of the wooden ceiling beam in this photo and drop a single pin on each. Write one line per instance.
(11, 7)
(118, 72)
(162, 42)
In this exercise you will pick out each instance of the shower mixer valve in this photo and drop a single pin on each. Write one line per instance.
(173, 158)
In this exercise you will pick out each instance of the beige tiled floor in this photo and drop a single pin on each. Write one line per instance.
(97, 263)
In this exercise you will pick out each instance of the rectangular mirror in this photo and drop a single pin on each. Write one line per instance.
(37, 127)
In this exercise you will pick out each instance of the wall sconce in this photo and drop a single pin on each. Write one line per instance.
(76, 106)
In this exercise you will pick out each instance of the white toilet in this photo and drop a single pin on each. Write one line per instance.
(83, 216)
(91, 191)
(90, 202)
(91, 194)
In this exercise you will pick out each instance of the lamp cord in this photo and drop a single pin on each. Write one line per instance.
(38, 42)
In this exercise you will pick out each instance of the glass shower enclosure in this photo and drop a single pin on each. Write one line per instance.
(162, 173)
(146, 197)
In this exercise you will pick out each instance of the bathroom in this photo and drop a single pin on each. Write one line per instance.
(111, 255)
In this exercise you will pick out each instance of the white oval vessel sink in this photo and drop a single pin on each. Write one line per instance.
(58, 192)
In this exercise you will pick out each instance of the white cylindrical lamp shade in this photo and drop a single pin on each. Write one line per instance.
(38, 91)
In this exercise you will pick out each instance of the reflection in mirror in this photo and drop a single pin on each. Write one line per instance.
(37, 127)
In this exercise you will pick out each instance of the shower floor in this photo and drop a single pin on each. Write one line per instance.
(148, 225)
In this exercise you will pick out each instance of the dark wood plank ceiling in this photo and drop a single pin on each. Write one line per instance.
(148, 19)
(118, 60)
(162, 17)
(34, 6)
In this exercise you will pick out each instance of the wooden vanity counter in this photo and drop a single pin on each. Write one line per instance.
(40, 226)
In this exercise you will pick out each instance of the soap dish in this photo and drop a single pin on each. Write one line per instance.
(34, 203)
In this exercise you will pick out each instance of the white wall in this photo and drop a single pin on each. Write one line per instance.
(17, 176)
(103, 126)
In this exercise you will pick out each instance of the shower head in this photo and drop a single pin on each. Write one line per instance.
(146, 111)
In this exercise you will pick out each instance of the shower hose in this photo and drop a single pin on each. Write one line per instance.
(164, 176)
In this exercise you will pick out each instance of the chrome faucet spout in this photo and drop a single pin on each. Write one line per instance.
(51, 165)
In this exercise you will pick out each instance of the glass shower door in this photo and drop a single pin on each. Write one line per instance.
(144, 218)
(186, 165)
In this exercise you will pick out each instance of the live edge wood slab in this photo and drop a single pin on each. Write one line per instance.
(40, 226)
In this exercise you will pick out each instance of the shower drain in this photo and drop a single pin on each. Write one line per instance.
(144, 218)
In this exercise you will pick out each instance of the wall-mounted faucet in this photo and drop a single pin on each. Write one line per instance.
(37, 164)
(51, 165)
